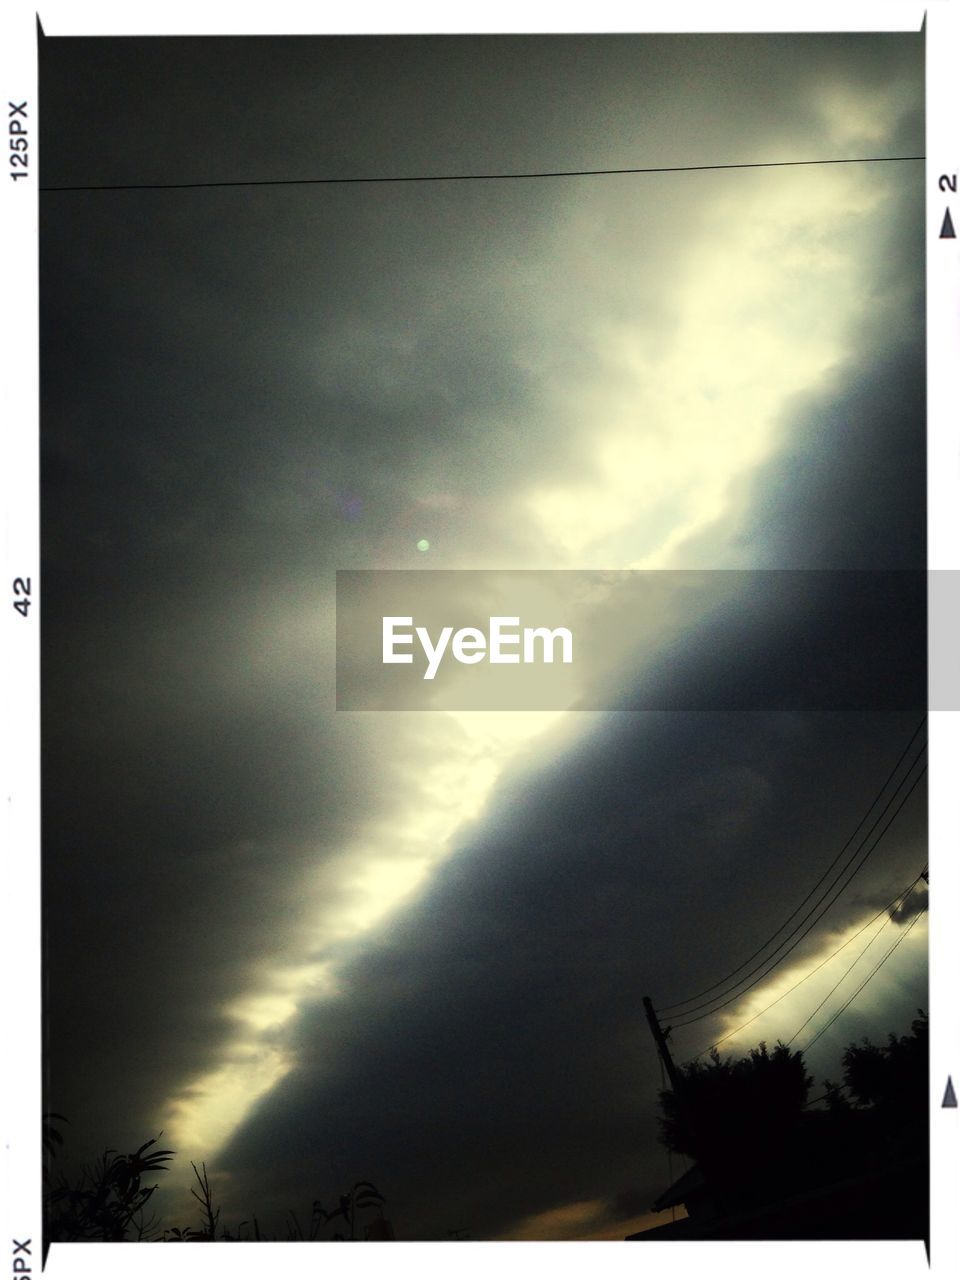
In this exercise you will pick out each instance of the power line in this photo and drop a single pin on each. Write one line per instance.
(731, 990)
(843, 946)
(823, 1097)
(840, 981)
(472, 177)
(882, 961)
(677, 1007)
(737, 995)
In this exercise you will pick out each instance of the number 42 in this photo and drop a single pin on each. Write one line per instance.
(21, 589)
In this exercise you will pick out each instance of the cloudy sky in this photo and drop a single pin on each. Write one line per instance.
(411, 946)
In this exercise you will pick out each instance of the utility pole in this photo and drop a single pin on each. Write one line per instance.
(660, 1040)
(705, 1161)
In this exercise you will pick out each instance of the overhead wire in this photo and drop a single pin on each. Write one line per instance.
(472, 177)
(824, 1097)
(774, 960)
(876, 968)
(900, 897)
(840, 981)
(739, 994)
(677, 1006)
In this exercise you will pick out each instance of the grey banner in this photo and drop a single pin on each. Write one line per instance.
(475, 640)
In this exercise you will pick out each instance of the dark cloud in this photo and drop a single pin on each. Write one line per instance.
(495, 1023)
(914, 904)
(493, 1037)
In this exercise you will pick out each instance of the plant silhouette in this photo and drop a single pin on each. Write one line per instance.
(107, 1198)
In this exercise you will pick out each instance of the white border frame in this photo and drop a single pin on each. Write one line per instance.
(21, 1105)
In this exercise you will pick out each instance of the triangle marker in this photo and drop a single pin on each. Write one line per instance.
(946, 231)
(949, 1097)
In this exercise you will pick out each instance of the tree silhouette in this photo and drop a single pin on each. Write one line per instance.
(747, 1124)
(729, 1108)
(891, 1077)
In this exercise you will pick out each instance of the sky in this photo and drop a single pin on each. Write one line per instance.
(315, 945)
